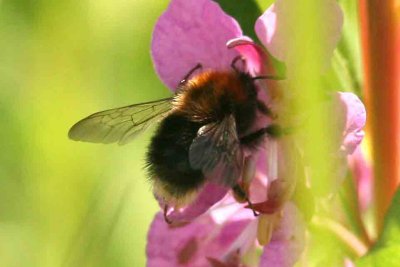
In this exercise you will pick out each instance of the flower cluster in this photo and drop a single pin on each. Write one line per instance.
(215, 230)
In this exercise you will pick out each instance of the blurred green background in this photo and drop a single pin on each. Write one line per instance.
(65, 203)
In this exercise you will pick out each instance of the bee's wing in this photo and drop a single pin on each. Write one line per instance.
(216, 151)
(120, 124)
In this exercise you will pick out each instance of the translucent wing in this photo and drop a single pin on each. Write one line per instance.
(216, 151)
(121, 124)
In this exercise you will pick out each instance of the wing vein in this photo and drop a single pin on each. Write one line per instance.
(120, 124)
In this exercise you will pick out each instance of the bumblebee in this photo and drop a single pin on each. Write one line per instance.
(201, 136)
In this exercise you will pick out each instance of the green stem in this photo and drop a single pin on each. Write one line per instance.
(351, 206)
(355, 245)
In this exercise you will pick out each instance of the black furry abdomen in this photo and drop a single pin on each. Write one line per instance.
(168, 156)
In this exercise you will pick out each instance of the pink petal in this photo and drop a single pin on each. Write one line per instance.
(192, 32)
(175, 246)
(191, 244)
(362, 172)
(287, 242)
(253, 54)
(258, 187)
(208, 196)
(274, 29)
(355, 118)
(284, 168)
(348, 263)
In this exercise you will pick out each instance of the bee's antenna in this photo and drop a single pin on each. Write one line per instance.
(167, 220)
(269, 77)
(235, 60)
(187, 76)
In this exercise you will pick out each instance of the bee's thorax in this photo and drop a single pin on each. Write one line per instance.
(212, 95)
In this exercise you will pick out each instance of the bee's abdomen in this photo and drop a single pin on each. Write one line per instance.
(168, 157)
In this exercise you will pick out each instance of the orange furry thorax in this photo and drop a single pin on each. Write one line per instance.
(211, 94)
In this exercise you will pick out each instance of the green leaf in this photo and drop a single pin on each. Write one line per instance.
(349, 50)
(385, 257)
(245, 12)
(386, 252)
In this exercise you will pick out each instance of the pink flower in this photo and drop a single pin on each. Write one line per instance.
(362, 172)
(215, 230)
(272, 28)
(224, 237)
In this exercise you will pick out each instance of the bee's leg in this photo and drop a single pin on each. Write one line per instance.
(235, 60)
(167, 220)
(269, 77)
(187, 76)
(241, 196)
(252, 208)
(272, 130)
